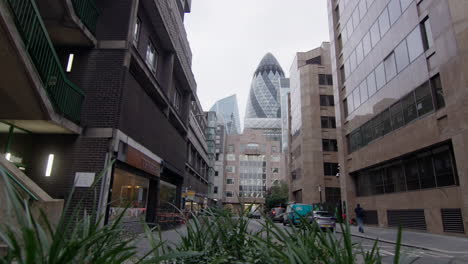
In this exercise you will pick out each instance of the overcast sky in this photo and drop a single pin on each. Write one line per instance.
(229, 38)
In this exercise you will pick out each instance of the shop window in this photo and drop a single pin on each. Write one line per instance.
(415, 45)
(401, 56)
(438, 92)
(384, 22)
(130, 193)
(423, 96)
(380, 76)
(394, 10)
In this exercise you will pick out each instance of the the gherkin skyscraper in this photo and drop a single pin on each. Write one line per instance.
(263, 105)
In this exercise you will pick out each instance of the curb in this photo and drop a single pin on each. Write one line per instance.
(409, 245)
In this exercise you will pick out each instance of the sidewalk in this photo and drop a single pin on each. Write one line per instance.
(421, 240)
(171, 237)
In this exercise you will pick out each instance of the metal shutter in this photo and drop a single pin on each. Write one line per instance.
(412, 219)
(371, 217)
(452, 220)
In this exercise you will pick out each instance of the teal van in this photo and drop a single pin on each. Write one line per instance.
(294, 212)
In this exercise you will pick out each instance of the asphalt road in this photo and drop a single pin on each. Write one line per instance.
(387, 251)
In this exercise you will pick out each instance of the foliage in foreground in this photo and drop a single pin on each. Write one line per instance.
(216, 237)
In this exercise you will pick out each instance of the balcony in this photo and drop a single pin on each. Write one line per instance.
(35, 94)
(69, 22)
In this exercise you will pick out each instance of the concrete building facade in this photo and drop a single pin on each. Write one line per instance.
(104, 85)
(313, 151)
(253, 163)
(400, 82)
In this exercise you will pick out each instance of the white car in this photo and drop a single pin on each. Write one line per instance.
(324, 220)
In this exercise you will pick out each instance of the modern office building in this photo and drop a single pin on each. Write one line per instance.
(313, 149)
(216, 132)
(196, 186)
(228, 109)
(252, 165)
(87, 83)
(399, 70)
(263, 109)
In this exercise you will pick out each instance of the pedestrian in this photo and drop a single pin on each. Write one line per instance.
(360, 213)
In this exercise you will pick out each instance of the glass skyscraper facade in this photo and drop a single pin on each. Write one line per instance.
(263, 105)
(229, 111)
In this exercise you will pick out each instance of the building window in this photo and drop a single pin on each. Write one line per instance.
(345, 107)
(230, 149)
(325, 79)
(327, 100)
(342, 74)
(394, 10)
(230, 169)
(275, 158)
(231, 157)
(423, 96)
(380, 76)
(275, 170)
(217, 155)
(316, 60)
(332, 195)
(438, 92)
(426, 32)
(229, 181)
(215, 190)
(177, 100)
(330, 169)
(366, 44)
(136, 32)
(371, 85)
(329, 145)
(229, 194)
(420, 170)
(401, 56)
(415, 45)
(328, 121)
(216, 173)
(151, 56)
(390, 66)
(384, 22)
(274, 149)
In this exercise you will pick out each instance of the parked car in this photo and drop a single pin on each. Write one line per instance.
(294, 213)
(276, 214)
(324, 220)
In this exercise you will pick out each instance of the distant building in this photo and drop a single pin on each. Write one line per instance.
(400, 82)
(263, 105)
(313, 150)
(284, 94)
(253, 164)
(228, 109)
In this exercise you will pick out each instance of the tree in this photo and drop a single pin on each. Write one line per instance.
(277, 196)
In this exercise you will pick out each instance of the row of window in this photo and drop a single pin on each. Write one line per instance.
(252, 146)
(232, 157)
(328, 121)
(422, 100)
(325, 79)
(381, 25)
(405, 53)
(329, 145)
(422, 170)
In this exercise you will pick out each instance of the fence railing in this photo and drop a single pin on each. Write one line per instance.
(87, 11)
(65, 96)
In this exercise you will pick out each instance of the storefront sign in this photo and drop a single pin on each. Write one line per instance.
(139, 160)
(84, 179)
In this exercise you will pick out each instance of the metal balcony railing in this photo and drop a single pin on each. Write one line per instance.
(87, 11)
(65, 96)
